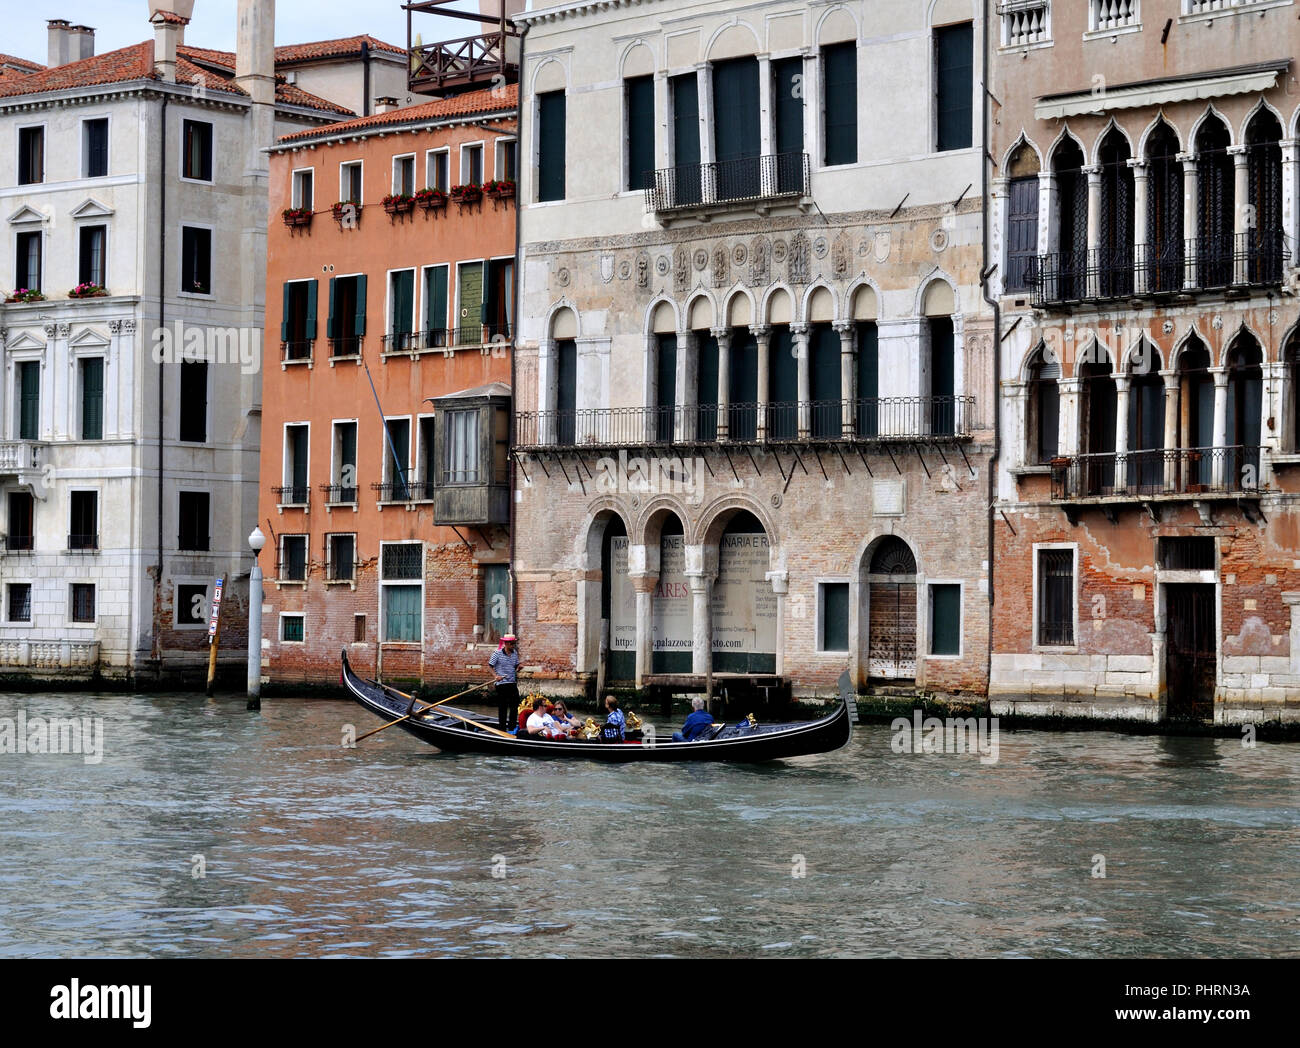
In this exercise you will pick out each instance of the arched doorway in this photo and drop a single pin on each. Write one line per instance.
(743, 608)
(671, 620)
(617, 603)
(891, 588)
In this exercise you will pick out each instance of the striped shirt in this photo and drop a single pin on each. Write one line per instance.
(504, 664)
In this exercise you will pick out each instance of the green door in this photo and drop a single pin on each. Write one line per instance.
(686, 140)
(736, 128)
(435, 306)
(469, 323)
(403, 299)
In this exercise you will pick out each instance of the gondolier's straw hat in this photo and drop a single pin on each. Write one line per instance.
(509, 636)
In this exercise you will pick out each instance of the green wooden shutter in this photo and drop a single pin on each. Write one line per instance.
(640, 132)
(954, 70)
(331, 328)
(92, 399)
(840, 106)
(403, 295)
(706, 387)
(286, 299)
(787, 96)
(742, 393)
(835, 616)
(550, 145)
(942, 377)
(435, 296)
(29, 426)
(735, 109)
(783, 385)
(310, 330)
(868, 379)
(686, 188)
(566, 400)
(298, 449)
(359, 328)
(945, 620)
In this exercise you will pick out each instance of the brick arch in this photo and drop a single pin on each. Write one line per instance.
(647, 528)
(592, 532)
(708, 530)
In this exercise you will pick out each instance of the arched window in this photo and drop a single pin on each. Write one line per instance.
(1245, 401)
(1215, 191)
(1097, 423)
(1264, 181)
(564, 331)
(1292, 358)
(1164, 217)
(1146, 421)
(1043, 426)
(1115, 266)
(1196, 415)
(1022, 218)
(1069, 275)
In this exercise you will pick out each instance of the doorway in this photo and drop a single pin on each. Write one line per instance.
(1190, 651)
(891, 585)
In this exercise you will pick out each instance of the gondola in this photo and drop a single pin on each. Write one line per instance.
(741, 742)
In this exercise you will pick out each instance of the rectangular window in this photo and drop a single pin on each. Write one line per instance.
(397, 460)
(1022, 232)
(550, 145)
(92, 398)
(29, 400)
(20, 602)
(840, 104)
(507, 160)
(945, 619)
(1056, 597)
(194, 401)
(196, 260)
(82, 601)
(469, 319)
(298, 319)
(1186, 553)
(787, 104)
(345, 463)
(426, 460)
(435, 307)
(191, 606)
(498, 300)
(28, 262)
(94, 148)
(303, 195)
(496, 601)
(471, 165)
(403, 620)
(83, 520)
(358, 629)
(346, 324)
(954, 60)
(401, 309)
(834, 634)
(350, 181)
(21, 507)
(193, 519)
(296, 455)
(436, 170)
(639, 102)
(341, 550)
(293, 558)
(292, 629)
(31, 155)
(404, 175)
(196, 143)
(462, 447)
(90, 260)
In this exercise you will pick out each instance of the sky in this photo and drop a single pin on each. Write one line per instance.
(118, 23)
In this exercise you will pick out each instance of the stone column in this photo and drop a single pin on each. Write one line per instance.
(1220, 424)
(781, 587)
(1092, 269)
(800, 333)
(723, 336)
(1290, 158)
(763, 337)
(1188, 160)
(1049, 232)
(1139, 225)
(1172, 455)
(1121, 432)
(1241, 221)
(663, 132)
(765, 105)
(686, 419)
(644, 583)
(848, 357)
(704, 82)
(701, 621)
(1069, 388)
(548, 390)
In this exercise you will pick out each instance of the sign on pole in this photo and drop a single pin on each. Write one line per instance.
(216, 611)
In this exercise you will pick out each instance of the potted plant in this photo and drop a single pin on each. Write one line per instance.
(24, 294)
(297, 216)
(88, 290)
(430, 198)
(500, 189)
(398, 203)
(470, 193)
(347, 212)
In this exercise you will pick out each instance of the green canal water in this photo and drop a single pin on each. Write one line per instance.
(208, 831)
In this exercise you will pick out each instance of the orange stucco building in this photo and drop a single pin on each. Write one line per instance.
(386, 509)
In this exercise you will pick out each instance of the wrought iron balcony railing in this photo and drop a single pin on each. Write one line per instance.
(83, 541)
(292, 494)
(747, 180)
(347, 346)
(339, 494)
(1232, 470)
(296, 351)
(874, 420)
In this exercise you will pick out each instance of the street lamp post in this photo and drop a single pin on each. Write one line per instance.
(256, 540)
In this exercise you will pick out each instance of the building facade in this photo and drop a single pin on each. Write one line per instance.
(1144, 225)
(385, 487)
(754, 363)
(134, 207)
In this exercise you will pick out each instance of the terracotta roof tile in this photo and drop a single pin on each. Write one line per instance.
(347, 45)
(14, 64)
(488, 100)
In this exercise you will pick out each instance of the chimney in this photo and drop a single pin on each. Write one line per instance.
(59, 45)
(255, 50)
(385, 104)
(168, 33)
(82, 42)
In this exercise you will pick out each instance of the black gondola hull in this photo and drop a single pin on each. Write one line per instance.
(737, 743)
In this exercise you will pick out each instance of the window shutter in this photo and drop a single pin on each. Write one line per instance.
(789, 105)
(30, 416)
(840, 65)
(310, 330)
(436, 294)
(640, 132)
(359, 328)
(954, 71)
(945, 620)
(331, 328)
(286, 300)
(92, 399)
(550, 145)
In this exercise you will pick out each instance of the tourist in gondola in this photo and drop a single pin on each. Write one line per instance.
(567, 720)
(615, 722)
(504, 662)
(699, 721)
(542, 725)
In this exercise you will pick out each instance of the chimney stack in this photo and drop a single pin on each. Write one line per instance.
(255, 50)
(82, 42)
(59, 45)
(168, 33)
(385, 104)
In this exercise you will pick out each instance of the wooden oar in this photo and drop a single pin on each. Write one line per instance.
(399, 720)
(447, 713)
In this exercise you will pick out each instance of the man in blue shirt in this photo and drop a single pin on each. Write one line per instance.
(615, 722)
(504, 662)
(699, 721)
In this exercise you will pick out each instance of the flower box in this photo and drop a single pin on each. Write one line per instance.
(347, 211)
(467, 194)
(398, 204)
(88, 291)
(25, 295)
(500, 190)
(297, 216)
(430, 199)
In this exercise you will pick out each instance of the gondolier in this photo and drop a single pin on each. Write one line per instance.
(504, 662)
